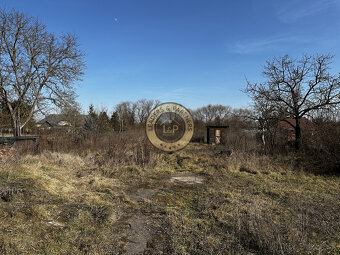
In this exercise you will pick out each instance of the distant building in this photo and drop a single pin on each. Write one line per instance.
(305, 124)
(59, 121)
(216, 134)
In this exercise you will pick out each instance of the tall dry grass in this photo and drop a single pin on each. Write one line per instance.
(108, 149)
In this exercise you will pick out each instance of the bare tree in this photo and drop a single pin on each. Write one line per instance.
(36, 67)
(296, 88)
(144, 108)
(5, 118)
(72, 115)
(265, 116)
(239, 119)
(126, 115)
(213, 113)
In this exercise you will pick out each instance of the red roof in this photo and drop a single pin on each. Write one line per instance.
(304, 123)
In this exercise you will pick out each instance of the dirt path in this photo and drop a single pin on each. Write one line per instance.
(145, 225)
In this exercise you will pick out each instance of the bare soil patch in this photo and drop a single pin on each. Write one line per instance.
(139, 232)
(188, 179)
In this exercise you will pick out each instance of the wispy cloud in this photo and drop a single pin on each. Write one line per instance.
(174, 94)
(261, 44)
(295, 11)
(186, 92)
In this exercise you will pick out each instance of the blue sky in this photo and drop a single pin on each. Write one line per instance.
(194, 52)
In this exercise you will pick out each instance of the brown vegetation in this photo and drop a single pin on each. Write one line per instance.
(115, 194)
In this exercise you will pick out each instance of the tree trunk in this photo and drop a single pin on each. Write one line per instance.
(16, 125)
(297, 134)
(17, 129)
(263, 138)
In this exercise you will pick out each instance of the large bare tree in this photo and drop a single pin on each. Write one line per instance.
(36, 67)
(296, 88)
(144, 108)
(213, 113)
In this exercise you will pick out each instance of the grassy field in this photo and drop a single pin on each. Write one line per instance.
(196, 201)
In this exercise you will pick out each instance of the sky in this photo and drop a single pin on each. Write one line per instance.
(193, 52)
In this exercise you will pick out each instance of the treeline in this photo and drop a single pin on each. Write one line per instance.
(249, 129)
(125, 116)
(130, 115)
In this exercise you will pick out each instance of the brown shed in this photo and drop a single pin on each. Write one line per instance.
(216, 134)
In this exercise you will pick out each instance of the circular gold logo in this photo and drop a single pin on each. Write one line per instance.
(170, 127)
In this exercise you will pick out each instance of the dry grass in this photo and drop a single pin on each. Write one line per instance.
(81, 202)
(263, 210)
(57, 200)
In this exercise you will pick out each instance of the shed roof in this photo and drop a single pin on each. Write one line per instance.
(224, 126)
(304, 123)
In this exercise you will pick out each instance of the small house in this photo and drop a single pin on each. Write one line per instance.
(288, 125)
(216, 134)
(60, 122)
